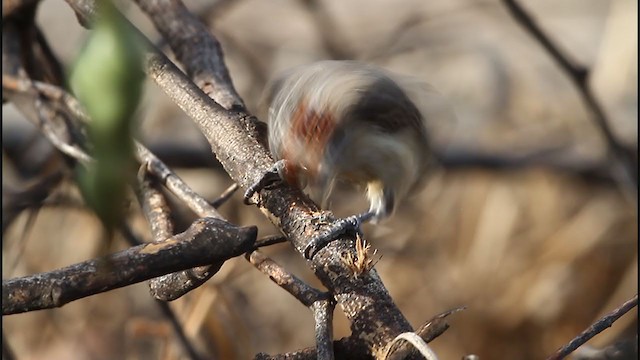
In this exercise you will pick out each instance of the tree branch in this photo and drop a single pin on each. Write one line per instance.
(206, 241)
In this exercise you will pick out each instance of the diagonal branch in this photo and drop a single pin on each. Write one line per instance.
(195, 48)
(374, 317)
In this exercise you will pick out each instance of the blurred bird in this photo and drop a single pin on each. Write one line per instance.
(348, 121)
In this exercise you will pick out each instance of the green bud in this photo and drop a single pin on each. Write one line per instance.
(107, 79)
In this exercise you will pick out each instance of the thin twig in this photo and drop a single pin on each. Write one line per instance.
(320, 303)
(323, 318)
(175, 184)
(270, 240)
(595, 328)
(46, 125)
(226, 195)
(177, 327)
(437, 325)
(292, 284)
(45, 116)
(154, 205)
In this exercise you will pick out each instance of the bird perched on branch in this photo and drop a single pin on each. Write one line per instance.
(348, 121)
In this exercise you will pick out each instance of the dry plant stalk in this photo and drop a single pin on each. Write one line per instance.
(364, 260)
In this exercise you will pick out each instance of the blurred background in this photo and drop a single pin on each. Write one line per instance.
(524, 224)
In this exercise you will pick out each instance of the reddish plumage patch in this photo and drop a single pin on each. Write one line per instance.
(313, 128)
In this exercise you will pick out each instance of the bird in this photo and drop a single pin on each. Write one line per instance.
(348, 121)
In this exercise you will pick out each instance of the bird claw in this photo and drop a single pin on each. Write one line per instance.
(351, 224)
(267, 181)
(342, 226)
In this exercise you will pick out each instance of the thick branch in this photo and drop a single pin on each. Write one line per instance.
(206, 241)
(195, 48)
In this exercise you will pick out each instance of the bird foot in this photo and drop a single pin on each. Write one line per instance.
(351, 224)
(270, 179)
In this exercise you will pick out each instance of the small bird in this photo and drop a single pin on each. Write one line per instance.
(348, 121)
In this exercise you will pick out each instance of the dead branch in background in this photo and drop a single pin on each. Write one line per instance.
(626, 162)
(333, 40)
(7, 352)
(15, 201)
(12, 7)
